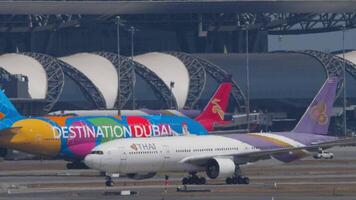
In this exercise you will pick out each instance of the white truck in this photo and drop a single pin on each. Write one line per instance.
(323, 155)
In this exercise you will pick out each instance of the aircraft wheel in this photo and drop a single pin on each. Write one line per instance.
(229, 180)
(235, 180)
(109, 183)
(202, 181)
(194, 180)
(246, 180)
(185, 181)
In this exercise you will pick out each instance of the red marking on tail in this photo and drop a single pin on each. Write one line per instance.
(2, 115)
(214, 111)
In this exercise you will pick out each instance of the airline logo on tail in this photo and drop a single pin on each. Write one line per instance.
(317, 117)
(216, 109)
(318, 113)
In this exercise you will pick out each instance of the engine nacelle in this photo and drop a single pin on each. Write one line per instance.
(3, 152)
(220, 168)
(136, 176)
(77, 165)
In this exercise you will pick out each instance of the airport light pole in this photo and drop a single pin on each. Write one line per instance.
(119, 68)
(171, 86)
(132, 31)
(247, 82)
(344, 77)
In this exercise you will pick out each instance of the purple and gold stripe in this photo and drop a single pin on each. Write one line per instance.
(264, 142)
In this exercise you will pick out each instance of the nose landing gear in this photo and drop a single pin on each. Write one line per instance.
(109, 182)
(193, 179)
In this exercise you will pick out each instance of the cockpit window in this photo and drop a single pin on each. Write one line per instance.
(97, 152)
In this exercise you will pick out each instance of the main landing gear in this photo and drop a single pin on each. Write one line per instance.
(109, 182)
(237, 178)
(193, 179)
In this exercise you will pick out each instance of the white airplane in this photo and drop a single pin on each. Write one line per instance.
(218, 155)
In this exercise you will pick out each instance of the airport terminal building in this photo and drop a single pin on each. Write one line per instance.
(119, 99)
(169, 58)
(169, 80)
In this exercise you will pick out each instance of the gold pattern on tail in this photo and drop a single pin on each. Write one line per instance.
(318, 113)
(217, 108)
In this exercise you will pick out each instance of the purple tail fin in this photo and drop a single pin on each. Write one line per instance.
(317, 117)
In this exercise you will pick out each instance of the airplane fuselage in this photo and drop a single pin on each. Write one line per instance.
(171, 154)
(72, 138)
(165, 154)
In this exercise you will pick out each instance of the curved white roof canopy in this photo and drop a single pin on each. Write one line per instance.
(100, 71)
(350, 56)
(168, 68)
(30, 67)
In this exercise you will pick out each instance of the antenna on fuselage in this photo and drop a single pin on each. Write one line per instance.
(185, 130)
(118, 102)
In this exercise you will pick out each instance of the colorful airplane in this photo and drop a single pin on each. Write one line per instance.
(212, 115)
(219, 155)
(72, 138)
(141, 112)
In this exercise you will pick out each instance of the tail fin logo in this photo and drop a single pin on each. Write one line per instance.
(217, 108)
(318, 113)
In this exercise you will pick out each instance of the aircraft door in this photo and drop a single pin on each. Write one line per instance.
(166, 156)
(123, 158)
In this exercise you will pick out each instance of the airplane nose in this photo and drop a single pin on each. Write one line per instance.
(89, 161)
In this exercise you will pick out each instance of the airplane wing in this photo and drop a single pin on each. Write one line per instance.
(266, 154)
(227, 132)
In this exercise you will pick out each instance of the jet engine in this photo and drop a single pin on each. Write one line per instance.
(3, 152)
(77, 165)
(137, 176)
(220, 168)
